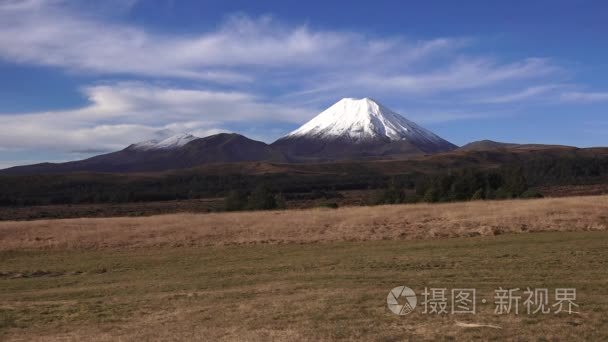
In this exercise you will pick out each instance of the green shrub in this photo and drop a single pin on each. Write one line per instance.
(531, 193)
(235, 200)
(262, 198)
(280, 201)
(478, 195)
(331, 205)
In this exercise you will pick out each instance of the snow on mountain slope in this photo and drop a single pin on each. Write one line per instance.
(359, 128)
(169, 143)
(362, 120)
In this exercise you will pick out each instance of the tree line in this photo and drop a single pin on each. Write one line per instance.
(513, 180)
(461, 185)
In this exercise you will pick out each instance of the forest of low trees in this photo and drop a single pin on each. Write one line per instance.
(513, 179)
(261, 198)
(463, 185)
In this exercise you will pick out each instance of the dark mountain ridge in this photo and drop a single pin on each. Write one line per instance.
(219, 148)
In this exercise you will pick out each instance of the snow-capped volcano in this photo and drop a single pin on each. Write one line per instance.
(171, 142)
(360, 127)
(362, 120)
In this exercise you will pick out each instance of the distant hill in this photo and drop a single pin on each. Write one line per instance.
(488, 145)
(541, 167)
(172, 153)
(353, 130)
(484, 145)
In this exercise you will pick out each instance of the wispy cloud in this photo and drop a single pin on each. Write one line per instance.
(519, 96)
(244, 49)
(462, 75)
(123, 113)
(48, 32)
(584, 97)
(441, 116)
(54, 34)
(247, 69)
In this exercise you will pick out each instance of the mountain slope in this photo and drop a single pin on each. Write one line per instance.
(171, 142)
(486, 145)
(489, 145)
(156, 156)
(359, 128)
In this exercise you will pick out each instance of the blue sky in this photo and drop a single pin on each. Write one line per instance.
(79, 78)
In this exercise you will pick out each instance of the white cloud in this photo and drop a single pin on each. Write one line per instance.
(296, 58)
(461, 75)
(584, 97)
(460, 79)
(438, 116)
(304, 68)
(525, 94)
(48, 32)
(123, 113)
(54, 34)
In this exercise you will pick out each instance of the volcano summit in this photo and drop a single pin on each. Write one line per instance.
(359, 128)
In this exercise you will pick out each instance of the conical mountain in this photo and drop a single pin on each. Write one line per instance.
(355, 128)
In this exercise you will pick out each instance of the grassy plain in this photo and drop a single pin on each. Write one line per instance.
(319, 225)
(303, 275)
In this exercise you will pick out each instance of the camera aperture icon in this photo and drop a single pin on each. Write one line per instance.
(401, 300)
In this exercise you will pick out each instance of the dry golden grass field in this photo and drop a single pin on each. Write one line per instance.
(392, 222)
(318, 274)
